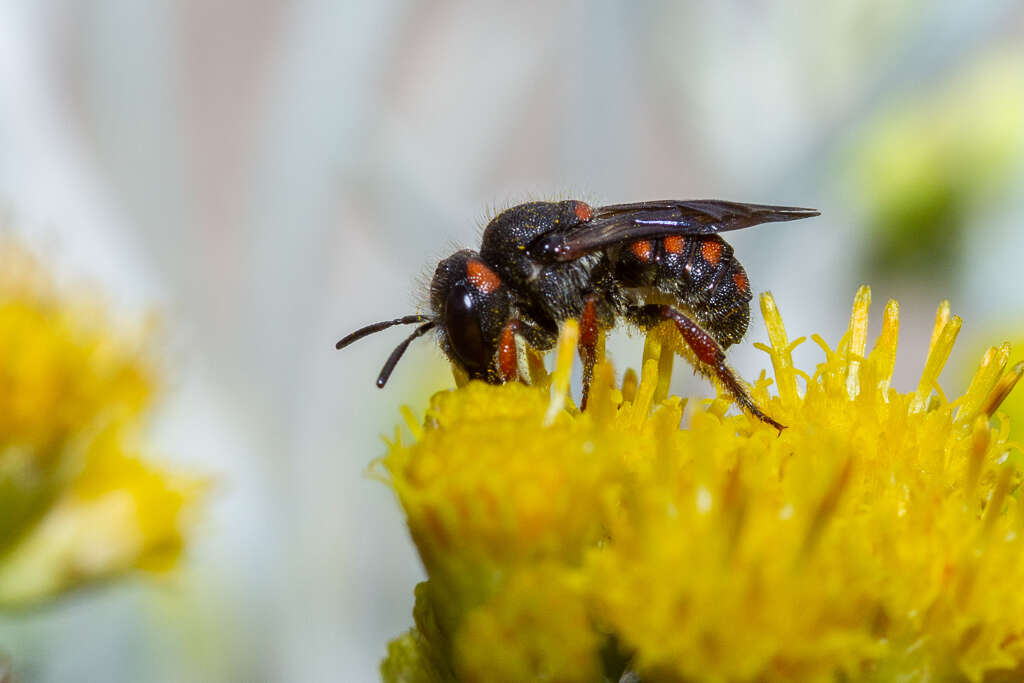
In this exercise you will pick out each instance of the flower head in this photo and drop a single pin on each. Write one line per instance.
(878, 536)
(76, 503)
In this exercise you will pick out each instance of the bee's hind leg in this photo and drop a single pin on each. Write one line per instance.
(708, 351)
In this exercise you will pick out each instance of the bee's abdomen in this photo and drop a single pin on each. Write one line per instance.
(698, 272)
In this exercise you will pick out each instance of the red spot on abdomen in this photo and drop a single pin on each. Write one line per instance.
(674, 244)
(583, 211)
(741, 281)
(482, 277)
(642, 250)
(711, 250)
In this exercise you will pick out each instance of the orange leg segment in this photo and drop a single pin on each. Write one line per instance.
(508, 362)
(708, 352)
(589, 334)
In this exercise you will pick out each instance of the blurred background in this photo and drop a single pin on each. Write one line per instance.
(270, 175)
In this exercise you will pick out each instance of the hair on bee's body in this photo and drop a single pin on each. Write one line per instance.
(542, 263)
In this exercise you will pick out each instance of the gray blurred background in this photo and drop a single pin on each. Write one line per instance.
(271, 175)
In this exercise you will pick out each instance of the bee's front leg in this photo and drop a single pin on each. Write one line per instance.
(507, 362)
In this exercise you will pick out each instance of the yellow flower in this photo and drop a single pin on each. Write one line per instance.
(75, 503)
(1013, 405)
(877, 538)
(877, 525)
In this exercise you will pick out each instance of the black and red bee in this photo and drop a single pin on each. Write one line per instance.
(542, 263)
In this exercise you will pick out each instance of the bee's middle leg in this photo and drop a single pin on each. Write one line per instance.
(590, 333)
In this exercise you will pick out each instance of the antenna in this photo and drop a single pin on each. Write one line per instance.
(396, 355)
(377, 327)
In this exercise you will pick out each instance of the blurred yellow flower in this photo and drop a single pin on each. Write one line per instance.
(878, 538)
(76, 504)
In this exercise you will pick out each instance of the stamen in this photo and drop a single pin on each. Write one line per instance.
(780, 351)
(822, 344)
(938, 353)
(984, 382)
(538, 373)
(882, 360)
(995, 503)
(412, 423)
(665, 364)
(858, 340)
(629, 385)
(1003, 389)
(643, 400)
(942, 317)
(980, 439)
(603, 394)
(658, 345)
(568, 337)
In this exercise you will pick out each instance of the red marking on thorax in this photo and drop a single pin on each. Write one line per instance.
(711, 250)
(642, 250)
(482, 277)
(583, 211)
(741, 281)
(508, 362)
(674, 244)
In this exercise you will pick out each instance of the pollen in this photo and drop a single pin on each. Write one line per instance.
(877, 538)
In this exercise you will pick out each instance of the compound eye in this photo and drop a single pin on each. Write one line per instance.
(462, 324)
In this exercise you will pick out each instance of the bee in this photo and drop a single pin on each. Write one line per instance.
(542, 263)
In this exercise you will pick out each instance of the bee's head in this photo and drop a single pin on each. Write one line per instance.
(471, 306)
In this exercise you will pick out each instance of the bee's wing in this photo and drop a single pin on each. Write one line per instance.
(619, 223)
